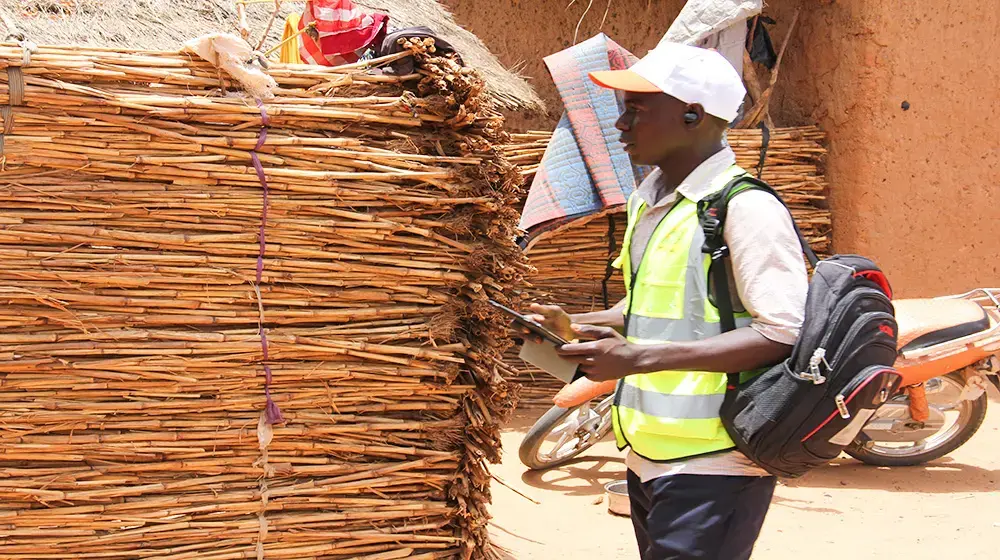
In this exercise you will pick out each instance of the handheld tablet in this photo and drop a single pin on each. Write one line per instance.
(531, 325)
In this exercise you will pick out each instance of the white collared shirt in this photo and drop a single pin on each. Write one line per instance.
(767, 272)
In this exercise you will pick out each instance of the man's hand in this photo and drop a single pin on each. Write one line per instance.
(551, 317)
(609, 356)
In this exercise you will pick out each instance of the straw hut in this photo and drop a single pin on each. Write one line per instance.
(165, 24)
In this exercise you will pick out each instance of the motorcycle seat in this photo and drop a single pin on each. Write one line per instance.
(927, 322)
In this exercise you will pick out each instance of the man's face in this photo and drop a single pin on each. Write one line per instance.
(652, 127)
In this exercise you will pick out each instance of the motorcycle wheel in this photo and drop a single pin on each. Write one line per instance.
(561, 434)
(970, 417)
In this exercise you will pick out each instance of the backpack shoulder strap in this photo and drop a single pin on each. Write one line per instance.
(712, 212)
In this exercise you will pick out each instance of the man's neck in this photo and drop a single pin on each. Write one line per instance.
(676, 168)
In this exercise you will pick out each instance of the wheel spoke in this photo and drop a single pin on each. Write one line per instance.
(580, 429)
(562, 441)
(562, 428)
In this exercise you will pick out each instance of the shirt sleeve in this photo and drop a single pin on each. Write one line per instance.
(767, 265)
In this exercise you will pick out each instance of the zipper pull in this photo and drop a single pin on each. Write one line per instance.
(842, 407)
(818, 357)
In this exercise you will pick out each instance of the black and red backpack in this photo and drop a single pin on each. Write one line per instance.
(804, 411)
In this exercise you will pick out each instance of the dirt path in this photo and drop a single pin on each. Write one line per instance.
(949, 509)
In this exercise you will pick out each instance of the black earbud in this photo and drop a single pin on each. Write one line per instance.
(690, 117)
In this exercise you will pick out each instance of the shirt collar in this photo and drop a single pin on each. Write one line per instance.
(695, 186)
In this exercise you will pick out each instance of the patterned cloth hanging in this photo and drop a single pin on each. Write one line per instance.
(585, 169)
(341, 30)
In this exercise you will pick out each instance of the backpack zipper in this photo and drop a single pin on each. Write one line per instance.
(865, 320)
(850, 391)
(819, 355)
(863, 293)
(842, 406)
(860, 381)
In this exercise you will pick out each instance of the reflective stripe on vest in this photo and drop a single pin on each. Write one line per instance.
(680, 406)
(671, 415)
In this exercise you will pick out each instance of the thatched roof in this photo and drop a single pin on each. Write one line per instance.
(165, 24)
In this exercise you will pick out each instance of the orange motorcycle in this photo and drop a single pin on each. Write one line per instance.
(949, 349)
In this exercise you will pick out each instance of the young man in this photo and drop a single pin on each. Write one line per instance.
(693, 496)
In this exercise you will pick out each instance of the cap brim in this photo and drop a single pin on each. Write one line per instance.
(624, 80)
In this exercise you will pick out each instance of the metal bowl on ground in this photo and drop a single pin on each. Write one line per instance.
(617, 492)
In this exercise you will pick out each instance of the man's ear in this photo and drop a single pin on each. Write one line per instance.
(694, 115)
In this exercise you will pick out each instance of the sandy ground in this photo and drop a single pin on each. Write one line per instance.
(949, 509)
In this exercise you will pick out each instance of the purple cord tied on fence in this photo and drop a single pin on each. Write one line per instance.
(271, 410)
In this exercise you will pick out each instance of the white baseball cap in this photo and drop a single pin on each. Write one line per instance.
(691, 74)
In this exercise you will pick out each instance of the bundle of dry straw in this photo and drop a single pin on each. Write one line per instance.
(165, 394)
(573, 264)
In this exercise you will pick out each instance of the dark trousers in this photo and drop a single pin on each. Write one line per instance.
(704, 517)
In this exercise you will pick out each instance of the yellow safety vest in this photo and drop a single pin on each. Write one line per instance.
(671, 415)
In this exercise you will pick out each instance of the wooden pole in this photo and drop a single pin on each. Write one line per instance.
(241, 16)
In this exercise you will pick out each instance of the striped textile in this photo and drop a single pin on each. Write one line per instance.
(342, 28)
(585, 169)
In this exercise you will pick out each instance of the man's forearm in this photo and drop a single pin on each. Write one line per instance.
(608, 318)
(743, 349)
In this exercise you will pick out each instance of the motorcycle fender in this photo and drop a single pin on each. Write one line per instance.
(582, 390)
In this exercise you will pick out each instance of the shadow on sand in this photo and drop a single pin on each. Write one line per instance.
(941, 476)
(584, 476)
(587, 474)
